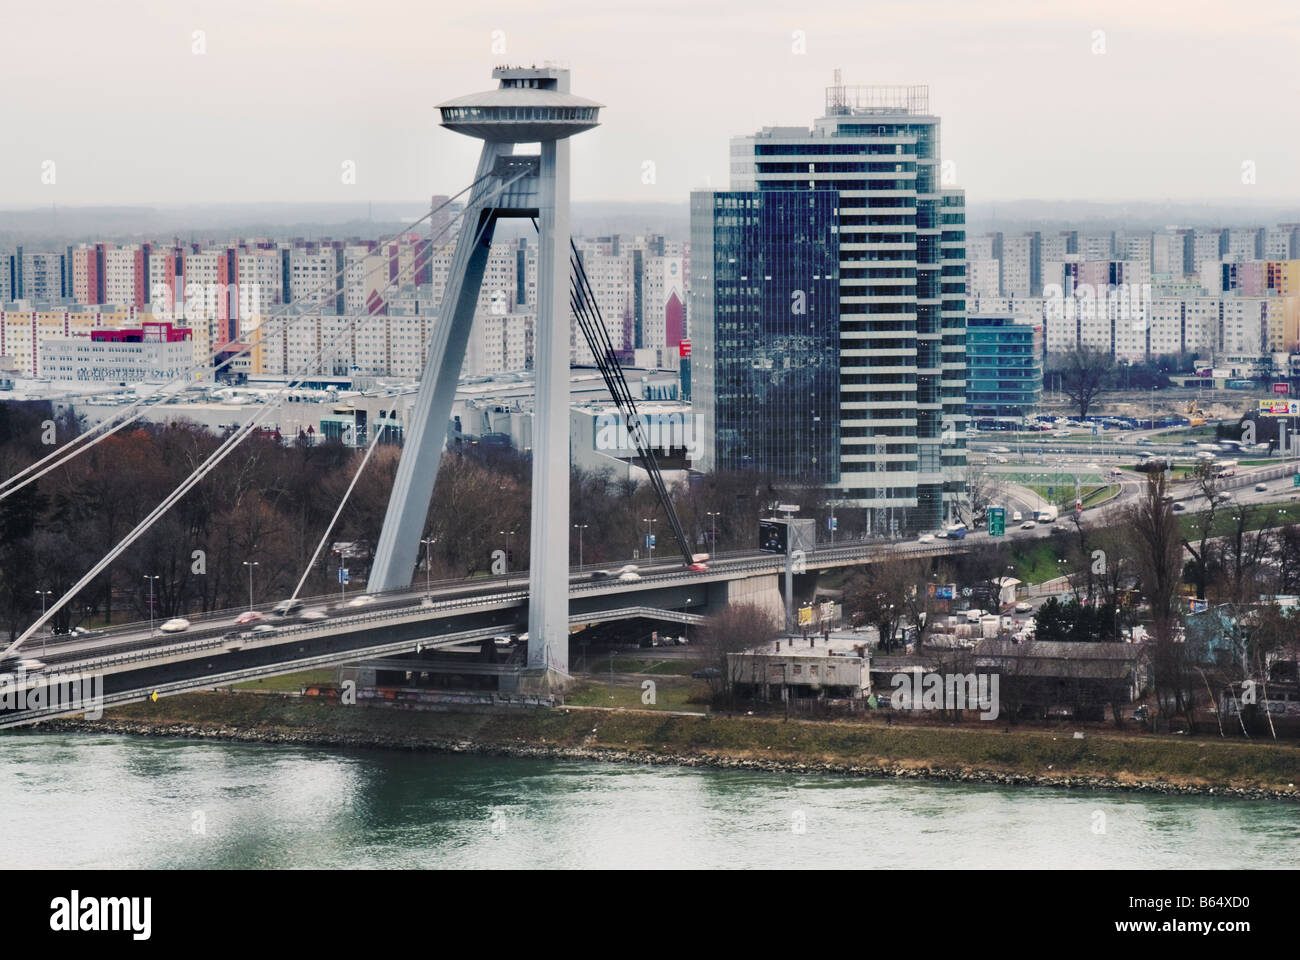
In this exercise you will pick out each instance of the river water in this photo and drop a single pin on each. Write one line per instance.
(88, 801)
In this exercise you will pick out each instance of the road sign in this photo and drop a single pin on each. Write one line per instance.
(832, 523)
(649, 540)
(684, 348)
(1295, 480)
(344, 576)
(997, 522)
(1282, 388)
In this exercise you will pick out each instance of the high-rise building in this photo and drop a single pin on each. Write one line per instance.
(1004, 366)
(889, 302)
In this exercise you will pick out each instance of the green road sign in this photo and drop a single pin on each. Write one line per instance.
(997, 522)
(1295, 480)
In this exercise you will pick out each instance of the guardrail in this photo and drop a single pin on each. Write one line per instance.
(853, 551)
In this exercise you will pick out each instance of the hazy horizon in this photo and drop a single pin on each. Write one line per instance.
(251, 102)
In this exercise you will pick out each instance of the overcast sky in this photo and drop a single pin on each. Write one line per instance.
(288, 91)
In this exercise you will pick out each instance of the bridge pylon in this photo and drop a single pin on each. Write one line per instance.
(531, 105)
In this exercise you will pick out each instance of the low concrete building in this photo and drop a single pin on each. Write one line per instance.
(1063, 679)
(792, 667)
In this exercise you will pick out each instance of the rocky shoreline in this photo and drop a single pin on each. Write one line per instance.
(545, 751)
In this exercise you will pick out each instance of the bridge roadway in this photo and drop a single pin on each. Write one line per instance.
(132, 662)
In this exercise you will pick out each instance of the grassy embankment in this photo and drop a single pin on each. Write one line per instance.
(1179, 761)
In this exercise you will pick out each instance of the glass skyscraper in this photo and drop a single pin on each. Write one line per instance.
(766, 264)
(899, 404)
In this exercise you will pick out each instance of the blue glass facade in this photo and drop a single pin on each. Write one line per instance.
(1004, 366)
(766, 368)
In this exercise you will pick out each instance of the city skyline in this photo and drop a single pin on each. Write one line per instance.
(233, 93)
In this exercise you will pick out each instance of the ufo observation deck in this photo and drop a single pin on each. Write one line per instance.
(528, 107)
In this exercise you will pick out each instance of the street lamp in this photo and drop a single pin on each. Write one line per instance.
(151, 579)
(580, 527)
(250, 564)
(428, 563)
(507, 534)
(43, 594)
(713, 522)
(650, 537)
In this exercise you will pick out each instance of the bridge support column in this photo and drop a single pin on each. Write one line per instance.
(548, 565)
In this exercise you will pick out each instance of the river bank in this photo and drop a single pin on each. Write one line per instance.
(1166, 765)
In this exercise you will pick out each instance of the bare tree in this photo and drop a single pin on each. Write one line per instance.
(1083, 374)
(735, 629)
(1158, 552)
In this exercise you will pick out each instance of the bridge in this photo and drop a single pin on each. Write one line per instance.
(135, 662)
(531, 104)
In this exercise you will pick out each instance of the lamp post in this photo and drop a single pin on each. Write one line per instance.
(580, 527)
(250, 564)
(507, 534)
(151, 579)
(43, 594)
(713, 523)
(428, 563)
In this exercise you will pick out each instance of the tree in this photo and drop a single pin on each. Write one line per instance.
(1083, 373)
(735, 629)
(1158, 551)
(1208, 484)
(886, 592)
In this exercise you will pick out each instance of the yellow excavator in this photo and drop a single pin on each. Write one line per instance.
(1195, 415)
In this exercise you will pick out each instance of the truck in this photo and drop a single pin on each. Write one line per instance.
(1046, 514)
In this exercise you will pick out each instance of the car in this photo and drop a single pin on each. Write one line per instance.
(600, 574)
(252, 616)
(925, 538)
(24, 665)
(1001, 459)
(629, 575)
(316, 614)
(287, 608)
(1024, 606)
(263, 629)
(1223, 497)
(362, 600)
(1261, 487)
(1116, 472)
(1016, 516)
(706, 673)
(698, 567)
(1092, 466)
(628, 568)
(1000, 449)
(1179, 507)
(175, 625)
(1028, 525)
(1188, 443)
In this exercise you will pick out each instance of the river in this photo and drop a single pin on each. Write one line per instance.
(92, 801)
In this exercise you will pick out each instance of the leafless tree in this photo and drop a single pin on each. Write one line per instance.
(1083, 374)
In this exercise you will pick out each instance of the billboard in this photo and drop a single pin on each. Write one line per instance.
(937, 592)
(772, 536)
(787, 535)
(1279, 408)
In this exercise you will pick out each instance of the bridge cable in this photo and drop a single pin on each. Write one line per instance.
(223, 450)
(66, 452)
(587, 311)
